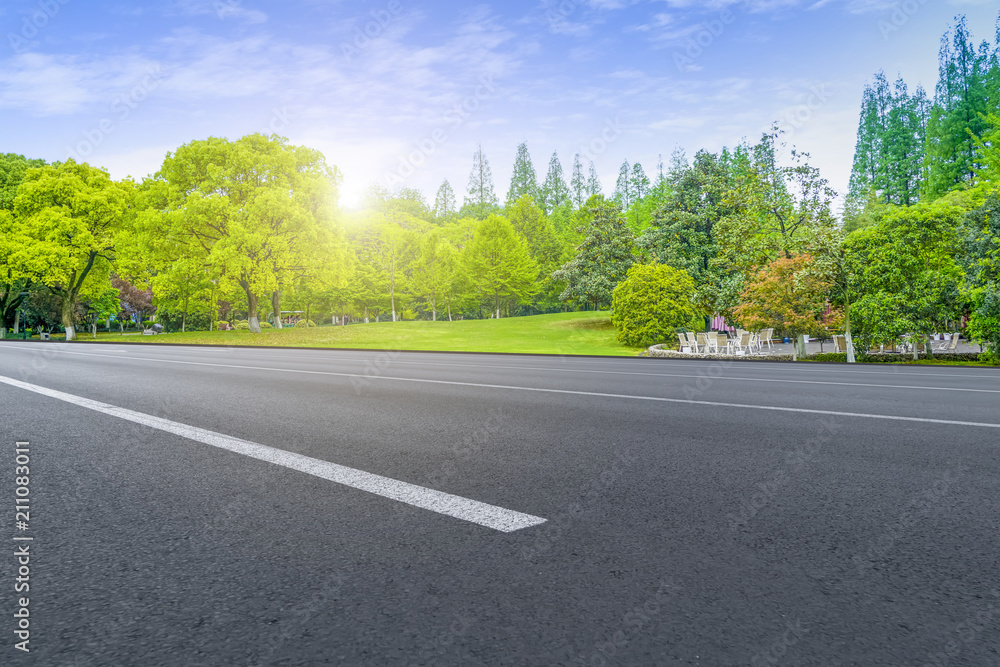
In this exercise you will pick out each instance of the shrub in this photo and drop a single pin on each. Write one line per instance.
(242, 326)
(651, 304)
(301, 324)
(147, 323)
(266, 325)
(222, 324)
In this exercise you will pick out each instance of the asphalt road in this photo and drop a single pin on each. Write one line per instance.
(695, 513)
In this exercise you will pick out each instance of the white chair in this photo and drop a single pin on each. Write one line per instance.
(685, 346)
(692, 341)
(948, 345)
(765, 337)
(713, 341)
(722, 341)
(703, 344)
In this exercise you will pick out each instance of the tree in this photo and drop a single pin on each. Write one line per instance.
(602, 259)
(774, 208)
(578, 184)
(15, 278)
(554, 191)
(391, 248)
(499, 264)
(434, 270)
(682, 230)
(624, 188)
(249, 211)
(786, 296)
(981, 259)
(905, 274)
(135, 304)
(522, 180)
(444, 202)
(961, 99)
(651, 303)
(639, 182)
(480, 198)
(593, 182)
(70, 214)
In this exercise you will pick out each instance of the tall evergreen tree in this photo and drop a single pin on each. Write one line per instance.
(480, 196)
(639, 182)
(444, 201)
(578, 184)
(522, 180)
(554, 191)
(593, 182)
(624, 191)
(960, 101)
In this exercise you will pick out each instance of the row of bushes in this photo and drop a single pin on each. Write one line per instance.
(244, 325)
(896, 358)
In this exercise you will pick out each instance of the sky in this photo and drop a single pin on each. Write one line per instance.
(401, 92)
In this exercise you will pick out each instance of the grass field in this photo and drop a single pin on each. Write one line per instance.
(560, 333)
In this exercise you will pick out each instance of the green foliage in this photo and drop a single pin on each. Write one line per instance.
(602, 259)
(221, 324)
(242, 326)
(903, 274)
(481, 198)
(523, 182)
(266, 325)
(651, 304)
(302, 324)
(499, 264)
(554, 192)
(68, 217)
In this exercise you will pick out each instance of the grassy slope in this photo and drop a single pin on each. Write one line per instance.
(559, 333)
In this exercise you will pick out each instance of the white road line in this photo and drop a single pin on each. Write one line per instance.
(491, 516)
(565, 370)
(775, 408)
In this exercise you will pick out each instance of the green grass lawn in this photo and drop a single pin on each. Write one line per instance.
(560, 333)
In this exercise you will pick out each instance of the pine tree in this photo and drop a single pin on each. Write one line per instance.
(593, 182)
(624, 193)
(960, 101)
(480, 196)
(660, 175)
(522, 180)
(554, 191)
(444, 201)
(578, 184)
(639, 182)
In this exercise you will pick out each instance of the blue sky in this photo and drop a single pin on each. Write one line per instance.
(402, 91)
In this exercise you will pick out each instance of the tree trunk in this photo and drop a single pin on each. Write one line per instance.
(3, 332)
(276, 308)
(67, 316)
(392, 296)
(184, 321)
(434, 311)
(366, 315)
(449, 311)
(93, 329)
(850, 343)
(252, 310)
(928, 346)
(17, 322)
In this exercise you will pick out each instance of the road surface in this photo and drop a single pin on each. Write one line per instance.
(226, 506)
